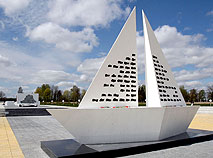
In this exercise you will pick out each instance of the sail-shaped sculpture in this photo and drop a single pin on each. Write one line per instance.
(115, 85)
(116, 82)
(161, 87)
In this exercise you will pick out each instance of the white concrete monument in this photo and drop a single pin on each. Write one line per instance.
(27, 99)
(109, 111)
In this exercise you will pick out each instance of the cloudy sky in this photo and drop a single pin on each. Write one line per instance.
(63, 42)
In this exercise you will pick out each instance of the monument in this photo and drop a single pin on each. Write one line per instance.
(27, 99)
(109, 111)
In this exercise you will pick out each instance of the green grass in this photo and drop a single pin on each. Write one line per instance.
(60, 104)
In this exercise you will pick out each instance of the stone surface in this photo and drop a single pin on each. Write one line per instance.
(31, 130)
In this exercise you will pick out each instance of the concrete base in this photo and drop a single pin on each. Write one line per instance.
(71, 148)
(98, 126)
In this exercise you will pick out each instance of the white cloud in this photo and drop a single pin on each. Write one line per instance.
(186, 75)
(192, 84)
(86, 13)
(81, 41)
(13, 6)
(181, 50)
(15, 38)
(90, 66)
(52, 76)
(4, 61)
(210, 13)
(65, 84)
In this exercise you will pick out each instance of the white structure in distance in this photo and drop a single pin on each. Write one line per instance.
(160, 119)
(27, 99)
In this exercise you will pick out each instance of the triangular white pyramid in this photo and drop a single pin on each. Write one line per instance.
(161, 87)
(116, 82)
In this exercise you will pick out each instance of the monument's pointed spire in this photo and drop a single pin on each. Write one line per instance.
(116, 82)
(161, 87)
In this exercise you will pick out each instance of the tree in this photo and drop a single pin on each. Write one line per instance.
(184, 93)
(39, 91)
(46, 94)
(202, 95)
(210, 92)
(193, 95)
(66, 95)
(54, 92)
(2, 94)
(59, 95)
(142, 93)
(83, 92)
(75, 94)
(20, 90)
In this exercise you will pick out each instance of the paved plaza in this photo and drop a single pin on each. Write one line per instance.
(28, 131)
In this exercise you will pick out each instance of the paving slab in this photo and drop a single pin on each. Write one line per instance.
(31, 130)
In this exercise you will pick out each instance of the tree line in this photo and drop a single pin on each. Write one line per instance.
(49, 93)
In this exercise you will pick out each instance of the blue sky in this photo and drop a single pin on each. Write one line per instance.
(63, 42)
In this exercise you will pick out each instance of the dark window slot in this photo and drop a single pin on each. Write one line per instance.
(133, 59)
(120, 62)
(101, 99)
(127, 90)
(133, 85)
(95, 100)
(108, 99)
(115, 66)
(121, 99)
(154, 56)
(109, 95)
(119, 76)
(132, 63)
(127, 86)
(116, 95)
(132, 77)
(112, 80)
(133, 54)
(106, 85)
(175, 91)
(126, 81)
(127, 67)
(127, 100)
(126, 63)
(127, 95)
(133, 99)
(121, 71)
(113, 75)
(132, 90)
(103, 95)
(109, 65)
(122, 85)
(127, 72)
(133, 68)
(122, 90)
(161, 99)
(128, 58)
(121, 67)
(119, 80)
(133, 95)
(114, 99)
(165, 99)
(125, 76)
(133, 81)
(107, 75)
(133, 72)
